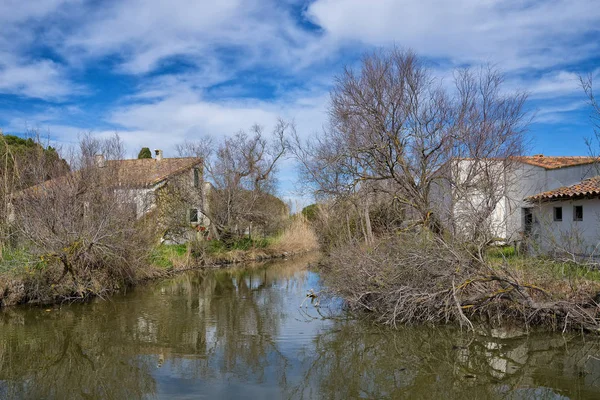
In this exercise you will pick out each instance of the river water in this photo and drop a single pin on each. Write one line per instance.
(240, 333)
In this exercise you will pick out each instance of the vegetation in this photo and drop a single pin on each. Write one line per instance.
(144, 153)
(74, 236)
(297, 237)
(407, 175)
(78, 236)
(241, 171)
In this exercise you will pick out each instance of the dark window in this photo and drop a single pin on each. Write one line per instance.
(527, 219)
(577, 213)
(193, 215)
(196, 177)
(558, 213)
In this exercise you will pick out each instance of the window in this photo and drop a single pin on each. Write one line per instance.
(577, 213)
(558, 213)
(527, 215)
(196, 177)
(193, 215)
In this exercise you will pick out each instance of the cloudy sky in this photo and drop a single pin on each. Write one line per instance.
(159, 72)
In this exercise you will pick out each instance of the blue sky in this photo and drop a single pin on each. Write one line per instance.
(160, 72)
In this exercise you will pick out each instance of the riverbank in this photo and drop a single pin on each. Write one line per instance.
(405, 280)
(44, 281)
(185, 329)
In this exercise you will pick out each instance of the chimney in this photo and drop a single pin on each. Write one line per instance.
(100, 160)
(159, 154)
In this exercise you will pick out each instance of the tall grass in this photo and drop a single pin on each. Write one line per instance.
(297, 237)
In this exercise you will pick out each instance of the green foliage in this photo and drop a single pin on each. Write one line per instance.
(244, 244)
(502, 252)
(23, 154)
(311, 212)
(144, 153)
(19, 260)
(542, 266)
(162, 256)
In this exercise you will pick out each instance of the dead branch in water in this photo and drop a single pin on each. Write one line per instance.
(408, 279)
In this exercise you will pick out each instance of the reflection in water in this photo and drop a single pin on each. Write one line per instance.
(239, 333)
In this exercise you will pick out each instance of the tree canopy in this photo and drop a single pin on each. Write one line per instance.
(144, 153)
(25, 158)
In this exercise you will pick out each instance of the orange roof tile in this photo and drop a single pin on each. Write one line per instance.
(588, 187)
(556, 162)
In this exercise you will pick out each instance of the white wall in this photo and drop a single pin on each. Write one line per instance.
(580, 238)
(457, 209)
(525, 180)
(143, 198)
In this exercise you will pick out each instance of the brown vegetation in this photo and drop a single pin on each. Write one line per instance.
(78, 235)
(410, 279)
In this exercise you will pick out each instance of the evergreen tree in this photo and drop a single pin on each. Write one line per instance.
(145, 153)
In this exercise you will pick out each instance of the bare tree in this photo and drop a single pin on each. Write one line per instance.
(241, 170)
(395, 129)
(24, 162)
(587, 83)
(80, 229)
(593, 143)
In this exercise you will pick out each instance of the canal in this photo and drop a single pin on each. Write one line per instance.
(240, 333)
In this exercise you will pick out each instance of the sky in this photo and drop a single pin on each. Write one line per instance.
(159, 72)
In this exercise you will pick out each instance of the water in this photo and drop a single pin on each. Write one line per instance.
(240, 334)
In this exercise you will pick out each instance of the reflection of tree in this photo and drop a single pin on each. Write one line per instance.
(69, 356)
(229, 326)
(353, 361)
(210, 325)
(229, 318)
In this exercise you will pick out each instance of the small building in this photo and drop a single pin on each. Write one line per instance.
(511, 219)
(171, 190)
(566, 221)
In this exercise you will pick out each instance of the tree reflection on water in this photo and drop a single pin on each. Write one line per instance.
(239, 333)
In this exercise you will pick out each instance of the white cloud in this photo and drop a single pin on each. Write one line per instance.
(145, 33)
(516, 34)
(42, 79)
(178, 113)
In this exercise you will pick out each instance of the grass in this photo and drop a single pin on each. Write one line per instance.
(12, 260)
(297, 237)
(244, 244)
(542, 267)
(165, 256)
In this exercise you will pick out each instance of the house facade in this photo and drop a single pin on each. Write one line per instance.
(511, 219)
(172, 191)
(566, 220)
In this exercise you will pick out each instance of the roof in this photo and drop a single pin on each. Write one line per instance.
(150, 171)
(134, 173)
(588, 187)
(556, 162)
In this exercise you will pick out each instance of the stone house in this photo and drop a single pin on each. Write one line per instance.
(143, 185)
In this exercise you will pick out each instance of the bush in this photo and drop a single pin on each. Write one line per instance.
(412, 278)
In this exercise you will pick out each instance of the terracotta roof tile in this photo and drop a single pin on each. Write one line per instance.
(148, 172)
(588, 187)
(552, 162)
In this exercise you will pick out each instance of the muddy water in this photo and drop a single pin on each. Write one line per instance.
(240, 334)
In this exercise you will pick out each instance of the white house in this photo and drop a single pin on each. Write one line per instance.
(512, 216)
(566, 220)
